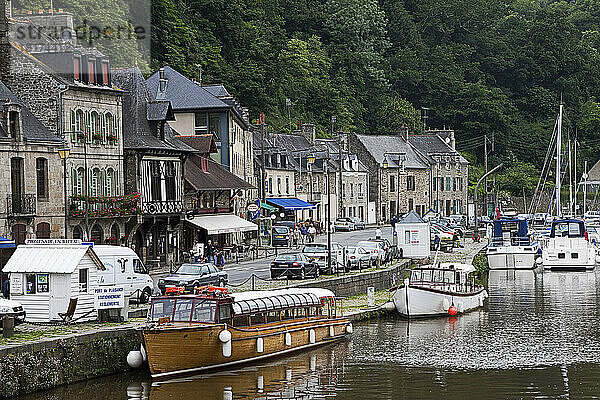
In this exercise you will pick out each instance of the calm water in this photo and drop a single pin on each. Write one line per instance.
(537, 338)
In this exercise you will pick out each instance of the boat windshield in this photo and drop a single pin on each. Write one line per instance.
(572, 229)
(184, 310)
(435, 276)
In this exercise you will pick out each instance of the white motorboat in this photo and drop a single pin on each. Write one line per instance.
(512, 246)
(444, 289)
(568, 246)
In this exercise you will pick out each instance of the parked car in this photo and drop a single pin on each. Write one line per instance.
(391, 251)
(190, 276)
(294, 266)
(318, 252)
(290, 224)
(458, 219)
(344, 224)
(449, 226)
(374, 247)
(446, 238)
(358, 257)
(11, 308)
(358, 223)
(281, 236)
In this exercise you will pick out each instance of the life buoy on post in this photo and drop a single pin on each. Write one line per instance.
(225, 338)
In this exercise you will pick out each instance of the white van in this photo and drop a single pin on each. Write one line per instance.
(124, 268)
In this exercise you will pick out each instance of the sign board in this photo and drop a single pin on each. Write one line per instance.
(53, 241)
(16, 283)
(109, 297)
(252, 207)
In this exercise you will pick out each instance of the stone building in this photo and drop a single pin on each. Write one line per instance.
(68, 89)
(31, 205)
(154, 161)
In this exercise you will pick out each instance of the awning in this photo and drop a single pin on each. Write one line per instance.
(6, 243)
(267, 207)
(222, 223)
(292, 204)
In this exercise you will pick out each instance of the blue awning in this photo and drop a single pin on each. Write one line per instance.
(292, 204)
(6, 243)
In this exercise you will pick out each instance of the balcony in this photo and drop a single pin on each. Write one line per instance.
(105, 206)
(20, 205)
(162, 207)
(210, 210)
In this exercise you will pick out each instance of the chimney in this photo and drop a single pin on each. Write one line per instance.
(5, 11)
(309, 131)
(162, 85)
(404, 132)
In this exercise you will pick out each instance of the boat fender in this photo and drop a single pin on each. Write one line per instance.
(389, 306)
(452, 310)
(480, 301)
(227, 393)
(597, 258)
(143, 351)
(461, 307)
(134, 359)
(260, 345)
(539, 260)
(349, 329)
(331, 331)
(485, 294)
(445, 304)
(225, 338)
(312, 336)
(288, 339)
(260, 383)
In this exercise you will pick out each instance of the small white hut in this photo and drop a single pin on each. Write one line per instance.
(45, 277)
(413, 236)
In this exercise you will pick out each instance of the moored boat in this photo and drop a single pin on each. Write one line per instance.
(568, 246)
(444, 289)
(213, 329)
(512, 246)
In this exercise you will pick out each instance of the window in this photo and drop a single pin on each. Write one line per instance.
(360, 190)
(352, 190)
(183, 310)
(162, 308)
(287, 185)
(454, 184)
(411, 204)
(79, 125)
(214, 125)
(170, 180)
(76, 67)
(410, 182)
(42, 231)
(91, 70)
(270, 187)
(460, 184)
(42, 283)
(83, 280)
(96, 183)
(105, 75)
(447, 183)
(441, 182)
(343, 189)
(30, 287)
(392, 183)
(13, 117)
(41, 169)
(200, 123)
(155, 181)
(204, 311)
(138, 267)
(406, 237)
(204, 164)
(110, 183)
(278, 185)
(224, 312)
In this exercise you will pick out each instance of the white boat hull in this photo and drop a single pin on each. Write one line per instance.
(414, 301)
(512, 257)
(569, 253)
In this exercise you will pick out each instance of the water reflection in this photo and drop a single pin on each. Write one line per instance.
(537, 337)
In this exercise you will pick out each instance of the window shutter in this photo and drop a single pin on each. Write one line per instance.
(73, 182)
(73, 133)
(88, 128)
(105, 188)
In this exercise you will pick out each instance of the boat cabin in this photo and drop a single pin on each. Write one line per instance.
(447, 276)
(246, 308)
(510, 232)
(571, 228)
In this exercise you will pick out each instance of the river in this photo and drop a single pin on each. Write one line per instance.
(538, 337)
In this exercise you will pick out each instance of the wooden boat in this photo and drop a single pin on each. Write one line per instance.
(193, 333)
(444, 289)
(512, 246)
(568, 247)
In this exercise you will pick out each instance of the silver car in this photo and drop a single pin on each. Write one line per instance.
(358, 257)
(358, 223)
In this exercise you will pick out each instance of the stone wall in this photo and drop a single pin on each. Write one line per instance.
(351, 285)
(45, 364)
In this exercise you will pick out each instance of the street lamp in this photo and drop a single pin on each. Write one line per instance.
(63, 153)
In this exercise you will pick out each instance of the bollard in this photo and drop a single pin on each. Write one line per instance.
(8, 327)
(371, 296)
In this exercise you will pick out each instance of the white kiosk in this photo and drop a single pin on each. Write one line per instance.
(413, 236)
(45, 274)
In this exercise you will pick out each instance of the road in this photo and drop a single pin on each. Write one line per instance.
(238, 273)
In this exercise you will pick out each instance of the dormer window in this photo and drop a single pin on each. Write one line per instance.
(204, 164)
(91, 70)
(76, 67)
(13, 124)
(105, 73)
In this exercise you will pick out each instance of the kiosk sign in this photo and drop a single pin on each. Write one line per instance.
(109, 297)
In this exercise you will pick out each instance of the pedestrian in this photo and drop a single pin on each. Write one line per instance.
(6, 288)
(437, 242)
(210, 252)
(393, 221)
(378, 233)
(303, 233)
(297, 235)
(311, 233)
(220, 257)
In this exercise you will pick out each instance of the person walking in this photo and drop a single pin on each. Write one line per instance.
(393, 221)
(311, 234)
(303, 233)
(210, 252)
(378, 233)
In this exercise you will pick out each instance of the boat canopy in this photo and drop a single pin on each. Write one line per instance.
(516, 226)
(572, 228)
(269, 300)
(466, 268)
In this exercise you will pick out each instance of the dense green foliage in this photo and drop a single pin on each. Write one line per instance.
(482, 67)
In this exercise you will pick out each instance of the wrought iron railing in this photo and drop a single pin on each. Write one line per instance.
(105, 206)
(20, 204)
(162, 207)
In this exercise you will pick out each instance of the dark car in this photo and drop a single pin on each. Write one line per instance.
(281, 236)
(293, 266)
(190, 276)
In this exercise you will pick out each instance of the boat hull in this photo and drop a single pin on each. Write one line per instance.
(512, 257)
(190, 349)
(414, 301)
(569, 254)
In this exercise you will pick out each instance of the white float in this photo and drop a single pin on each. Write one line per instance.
(225, 338)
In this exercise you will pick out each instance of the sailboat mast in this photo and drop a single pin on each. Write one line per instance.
(571, 208)
(558, 148)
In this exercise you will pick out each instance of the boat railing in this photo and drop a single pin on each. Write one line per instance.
(463, 287)
(513, 241)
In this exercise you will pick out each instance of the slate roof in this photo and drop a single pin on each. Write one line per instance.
(379, 145)
(217, 177)
(141, 114)
(411, 218)
(217, 90)
(431, 143)
(204, 144)
(184, 94)
(32, 128)
(291, 142)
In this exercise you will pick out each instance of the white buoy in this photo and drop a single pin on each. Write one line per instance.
(389, 306)
(331, 331)
(445, 304)
(260, 383)
(143, 351)
(480, 301)
(227, 393)
(539, 261)
(134, 359)
(312, 336)
(225, 338)
(349, 328)
(260, 345)
(288, 339)
(461, 307)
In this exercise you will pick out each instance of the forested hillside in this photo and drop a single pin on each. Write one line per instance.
(482, 67)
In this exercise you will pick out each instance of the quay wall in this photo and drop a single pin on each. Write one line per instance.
(352, 285)
(52, 362)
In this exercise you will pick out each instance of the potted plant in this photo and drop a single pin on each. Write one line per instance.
(97, 138)
(112, 139)
(80, 136)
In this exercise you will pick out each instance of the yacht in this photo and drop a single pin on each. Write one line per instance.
(568, 246)
(512, 246)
